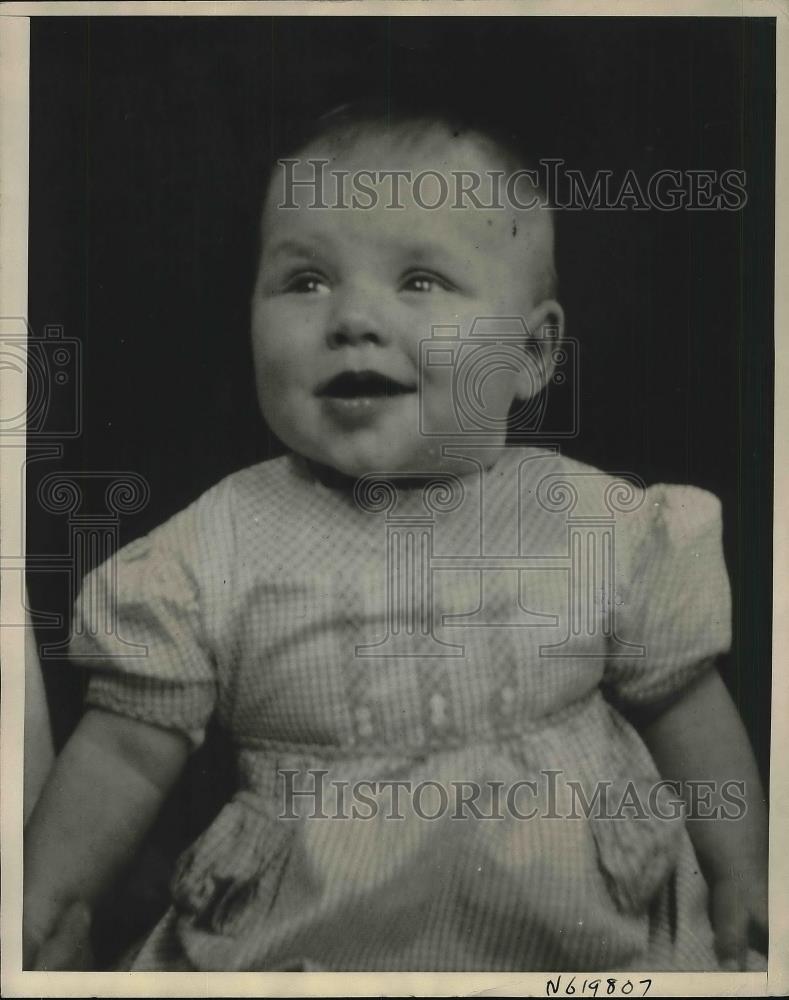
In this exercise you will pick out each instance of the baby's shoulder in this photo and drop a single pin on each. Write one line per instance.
(252, 491)
(679, 513)
(209, 525)
(672, 514)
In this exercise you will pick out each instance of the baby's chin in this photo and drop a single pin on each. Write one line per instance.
(365, 455)
(402, 463)
(381, 464)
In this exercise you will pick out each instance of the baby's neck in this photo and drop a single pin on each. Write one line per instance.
(345, 483)
(460, 466)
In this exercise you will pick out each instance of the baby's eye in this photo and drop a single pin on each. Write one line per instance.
(306, 283)
(424, 281)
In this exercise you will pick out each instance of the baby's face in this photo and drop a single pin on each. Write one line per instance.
(345, 296)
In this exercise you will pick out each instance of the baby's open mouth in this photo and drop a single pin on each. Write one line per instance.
(362, 385)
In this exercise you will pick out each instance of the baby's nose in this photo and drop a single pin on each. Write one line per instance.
(355, 320)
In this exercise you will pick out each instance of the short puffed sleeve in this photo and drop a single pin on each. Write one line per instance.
(672, 600)
(139, 630)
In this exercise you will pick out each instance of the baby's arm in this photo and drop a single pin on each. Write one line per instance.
(701, 737)
(101, 797)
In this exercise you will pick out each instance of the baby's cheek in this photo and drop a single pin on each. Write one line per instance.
(282, 320)
(437, 400)
(285, 355)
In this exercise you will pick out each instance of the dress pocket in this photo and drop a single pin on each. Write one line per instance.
(230, 875)
(637, 838)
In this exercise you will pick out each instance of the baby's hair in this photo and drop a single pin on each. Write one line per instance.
(357, 119)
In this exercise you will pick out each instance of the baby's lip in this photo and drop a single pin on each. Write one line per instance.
(368, 382)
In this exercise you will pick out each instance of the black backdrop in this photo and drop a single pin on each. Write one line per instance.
(148, 138)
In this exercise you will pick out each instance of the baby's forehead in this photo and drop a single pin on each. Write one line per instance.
(409, 146)
(435, 142)
(412, 179)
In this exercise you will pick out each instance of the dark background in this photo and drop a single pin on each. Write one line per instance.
(148, 140)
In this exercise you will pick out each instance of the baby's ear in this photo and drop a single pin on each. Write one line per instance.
(545, 325)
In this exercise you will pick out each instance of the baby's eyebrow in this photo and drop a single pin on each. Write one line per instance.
(430, 252)
(289, 247)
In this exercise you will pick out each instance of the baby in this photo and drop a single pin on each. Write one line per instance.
(469, 685)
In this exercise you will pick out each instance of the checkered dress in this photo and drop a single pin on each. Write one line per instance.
(420, 682)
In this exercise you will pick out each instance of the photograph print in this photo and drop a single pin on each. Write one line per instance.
(399, 494)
